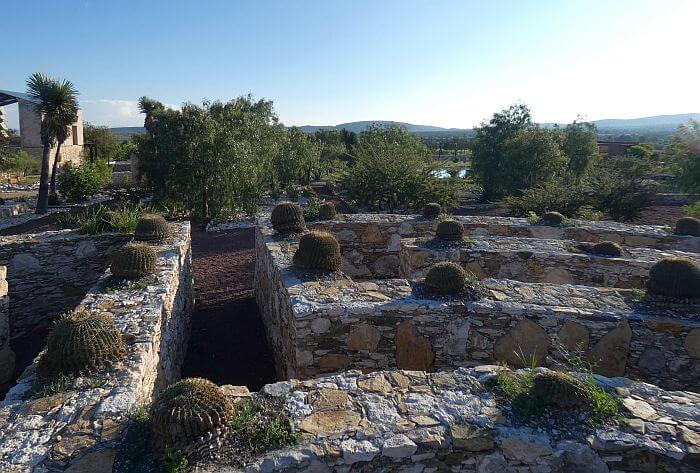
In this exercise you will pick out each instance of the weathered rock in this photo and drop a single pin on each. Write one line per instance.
(329, 399)
(652, 361)
(495, 463)
(692, 343)
(471, 438)
(364, 337)
(609, 355)
(100, 461)
(579, 458)
(332, 362)
(330, 422)
(573, 337)
(524, 447)
(525, 343)
(355, 451)
(398, 446)
(413, 351)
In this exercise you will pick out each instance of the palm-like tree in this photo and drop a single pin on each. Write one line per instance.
(149, 107)
(57, 105)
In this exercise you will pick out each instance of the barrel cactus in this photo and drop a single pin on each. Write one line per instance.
(560, 389)
(450, 230)
(287, 217)
(151, 228)
(607, 248)
(674, 277)
(688, 226)
(552, 218)
(318, 250)
(133, 261)
(186, 411)
(431, 210)
(446, 277)
(326, 211)
(80, 343)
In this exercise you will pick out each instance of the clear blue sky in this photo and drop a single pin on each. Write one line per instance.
(440, 62)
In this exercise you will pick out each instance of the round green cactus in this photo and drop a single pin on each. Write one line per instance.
(552, 219)
(151, 228)
(688, 226)
(431, 210)
(446, 277)
(186, 411)
(326, 211)
(607, 248)
(287, 217)
(450, 230)
(133, 261)
(560, 389)
(80, 343)
(674, 277)
(318, 250)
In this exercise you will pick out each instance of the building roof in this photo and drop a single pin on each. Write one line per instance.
(8, 97)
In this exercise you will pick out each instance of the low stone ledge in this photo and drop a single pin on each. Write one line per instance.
(406, 421)
(79, 427)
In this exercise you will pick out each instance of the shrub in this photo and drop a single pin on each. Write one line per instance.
(693, 209)
(81, 343)
(432, 210)
(151, 227)
(78, 183)
(688, 226)
(556, 195)
(133, 261)
(261, 424)
(674, 277)
(607, 248)
(327, 211)
(620, 188)
(186, 411)
(450, 230)
(287, 217)
(313, 208)
(121, 220)
(446, 277)
(552, 219)
(560, 389)
(318, 250)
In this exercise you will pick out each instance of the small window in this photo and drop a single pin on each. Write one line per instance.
(75, 135)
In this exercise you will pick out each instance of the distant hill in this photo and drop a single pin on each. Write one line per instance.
(125, 132)
(358, 127)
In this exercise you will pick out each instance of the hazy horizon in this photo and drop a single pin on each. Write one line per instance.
(446, 63)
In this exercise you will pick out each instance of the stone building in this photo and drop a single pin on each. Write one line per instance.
(30, 129)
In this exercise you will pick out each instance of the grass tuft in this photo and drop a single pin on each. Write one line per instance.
(260, 425)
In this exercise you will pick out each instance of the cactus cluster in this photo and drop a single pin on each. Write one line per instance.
(552, 219)
(560, 389)
(688, 226)
(606, 248)
(133, 261)
(318, 250)
(186, 411)
(431, 210)
(450, 230)
(326, 211)
(287, 217)
(446, 277)
(674, 277)
(80, 343)
(151, 228)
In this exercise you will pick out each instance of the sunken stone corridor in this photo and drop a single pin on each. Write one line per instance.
(363, 369)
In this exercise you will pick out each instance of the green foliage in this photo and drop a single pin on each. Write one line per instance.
(19, 162)
(186, 411)
(693, 210)
(312, 211)
(213, 160)
(642, 151)
(175, 461)
(553, 195)
(133, 261)
(102, 219)
(318, 250)
(674, 277)
(580, 145)
(81, 343)
(683, 154)
(620, 188)
(447, 277)
(151, 227)
(432, 210)
(108, 147)
(261, 425)
(78, 183)
(450, 230)
(688, 226)
(327, 211)
(393, 170)
(287, 217)
(299, 158)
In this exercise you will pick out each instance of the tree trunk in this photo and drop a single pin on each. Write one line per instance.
(54, 171)
(42, 202)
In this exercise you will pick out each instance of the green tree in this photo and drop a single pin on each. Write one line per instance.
(58, 107)
(150, 107)
(105, 142)
(620, 188)
(643, 151)
(298, 158)
(683, 154)
(579, 144)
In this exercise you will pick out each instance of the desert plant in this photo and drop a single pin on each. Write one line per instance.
(688, 226)
(287, 217)
(327, 211)
(318, 250)
(560, 389)
(80, 343)
(446, 277)
(552, 219)
(450, 230)
(674, 277)
(606, 248)
(262, 424)
(186, 411)
(133, 261)
(151, 227)
(431, 210)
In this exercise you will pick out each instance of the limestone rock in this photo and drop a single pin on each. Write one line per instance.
(329, 399)
(652, 361)
(573, 337)
(24, 263)
(333, 362)
(372, 234)
(387, 266)
(525, 448)
(330, 422)
(692, 343)
(358, 451)
(494, 463)
(364, 337)
(581, 459)
(471, 438)
(527, 340)
(398, 446)
(100, 461)
(413, 351)
(320, 325)
(640, 409)
(609, 355)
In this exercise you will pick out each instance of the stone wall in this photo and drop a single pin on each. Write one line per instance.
(412, 421)
(7, 356)
(50, 272)
(78, 428)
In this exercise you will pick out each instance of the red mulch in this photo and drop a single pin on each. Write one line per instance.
(227, 339)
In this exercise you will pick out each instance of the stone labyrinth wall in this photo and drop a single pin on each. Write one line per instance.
(369, 319)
